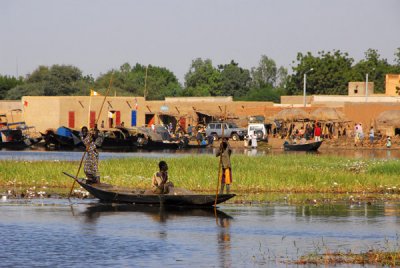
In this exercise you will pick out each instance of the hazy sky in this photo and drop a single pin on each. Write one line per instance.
(98, 35)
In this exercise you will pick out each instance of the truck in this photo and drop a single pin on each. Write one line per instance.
(231, 130)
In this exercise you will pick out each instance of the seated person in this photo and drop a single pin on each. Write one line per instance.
(159, 182)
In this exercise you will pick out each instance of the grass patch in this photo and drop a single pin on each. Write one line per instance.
(371, 257)
(260, 174)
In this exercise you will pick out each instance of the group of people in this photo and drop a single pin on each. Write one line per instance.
(303, 135)
(160, 183)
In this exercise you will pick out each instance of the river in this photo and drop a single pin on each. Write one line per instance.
(41, 155)
(85, 233)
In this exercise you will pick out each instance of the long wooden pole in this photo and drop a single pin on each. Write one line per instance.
(220, 159)
(84, 153)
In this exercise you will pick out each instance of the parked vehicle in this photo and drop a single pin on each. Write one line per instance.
(259, 130)
(231, 130)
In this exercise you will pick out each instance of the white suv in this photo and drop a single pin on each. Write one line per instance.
(259, 130)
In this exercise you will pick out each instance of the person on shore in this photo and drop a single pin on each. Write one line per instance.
(388, 142)
(371, 135)
(225, 176)
(190, 130)
(317, 132)
(199, 137)
(254, 140)
(91, 140)
(159, 182)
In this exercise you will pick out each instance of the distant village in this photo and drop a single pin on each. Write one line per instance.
(337, 112)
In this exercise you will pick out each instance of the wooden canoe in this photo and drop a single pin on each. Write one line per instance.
(312, 146)
(113, 194)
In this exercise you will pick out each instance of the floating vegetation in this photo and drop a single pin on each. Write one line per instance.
(374, 257)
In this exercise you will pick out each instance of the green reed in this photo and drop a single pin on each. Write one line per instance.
(274, 173)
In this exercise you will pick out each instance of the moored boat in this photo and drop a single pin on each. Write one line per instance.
(63, 137)
(16, 135)
(312, 146)
(113, 194)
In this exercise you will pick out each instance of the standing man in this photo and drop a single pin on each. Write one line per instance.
(317, 132)
(91, 140)
(226, 173)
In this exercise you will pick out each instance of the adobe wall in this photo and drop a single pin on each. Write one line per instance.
(8, 105)
(41, 112)
(366, 113)
(358, 89)
(391, 82)
(53, 112)
(296, 99)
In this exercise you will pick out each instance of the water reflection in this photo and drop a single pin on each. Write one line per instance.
(143, 236)
(157, 213)
(224, 242)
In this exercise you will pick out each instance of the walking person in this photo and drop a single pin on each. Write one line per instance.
(225, 176)
(371, 135)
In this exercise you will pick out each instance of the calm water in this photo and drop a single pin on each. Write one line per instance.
(39, 155)
(53, 233)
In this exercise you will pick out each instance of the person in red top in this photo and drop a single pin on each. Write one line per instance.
(317, 132)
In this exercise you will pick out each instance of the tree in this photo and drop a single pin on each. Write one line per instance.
(7, 83)
(234, 81)
(397, 57)
(267, 93)
(58, 80)
(202, 79)
(265, 74)
(160, 82)
(330, 74)
(268, 82)
(375, 67)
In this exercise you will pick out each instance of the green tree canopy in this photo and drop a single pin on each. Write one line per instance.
(202, 79)
(233, 81)
(265, 74)
(158, 81)
(375, 67)
(58, 80)
(328, 73)
(7, 83)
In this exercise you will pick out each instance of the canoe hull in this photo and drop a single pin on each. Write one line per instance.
(106, 193)
(313, 146)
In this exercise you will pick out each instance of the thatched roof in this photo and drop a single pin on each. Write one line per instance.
(293, 114)
(389, 118)
(328, 114)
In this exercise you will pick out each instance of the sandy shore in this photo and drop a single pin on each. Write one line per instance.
(341, 143)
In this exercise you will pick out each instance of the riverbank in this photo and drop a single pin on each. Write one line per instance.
(254, 178)
(336, 143)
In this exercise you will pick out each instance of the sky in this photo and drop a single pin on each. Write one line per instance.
(99, 35)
